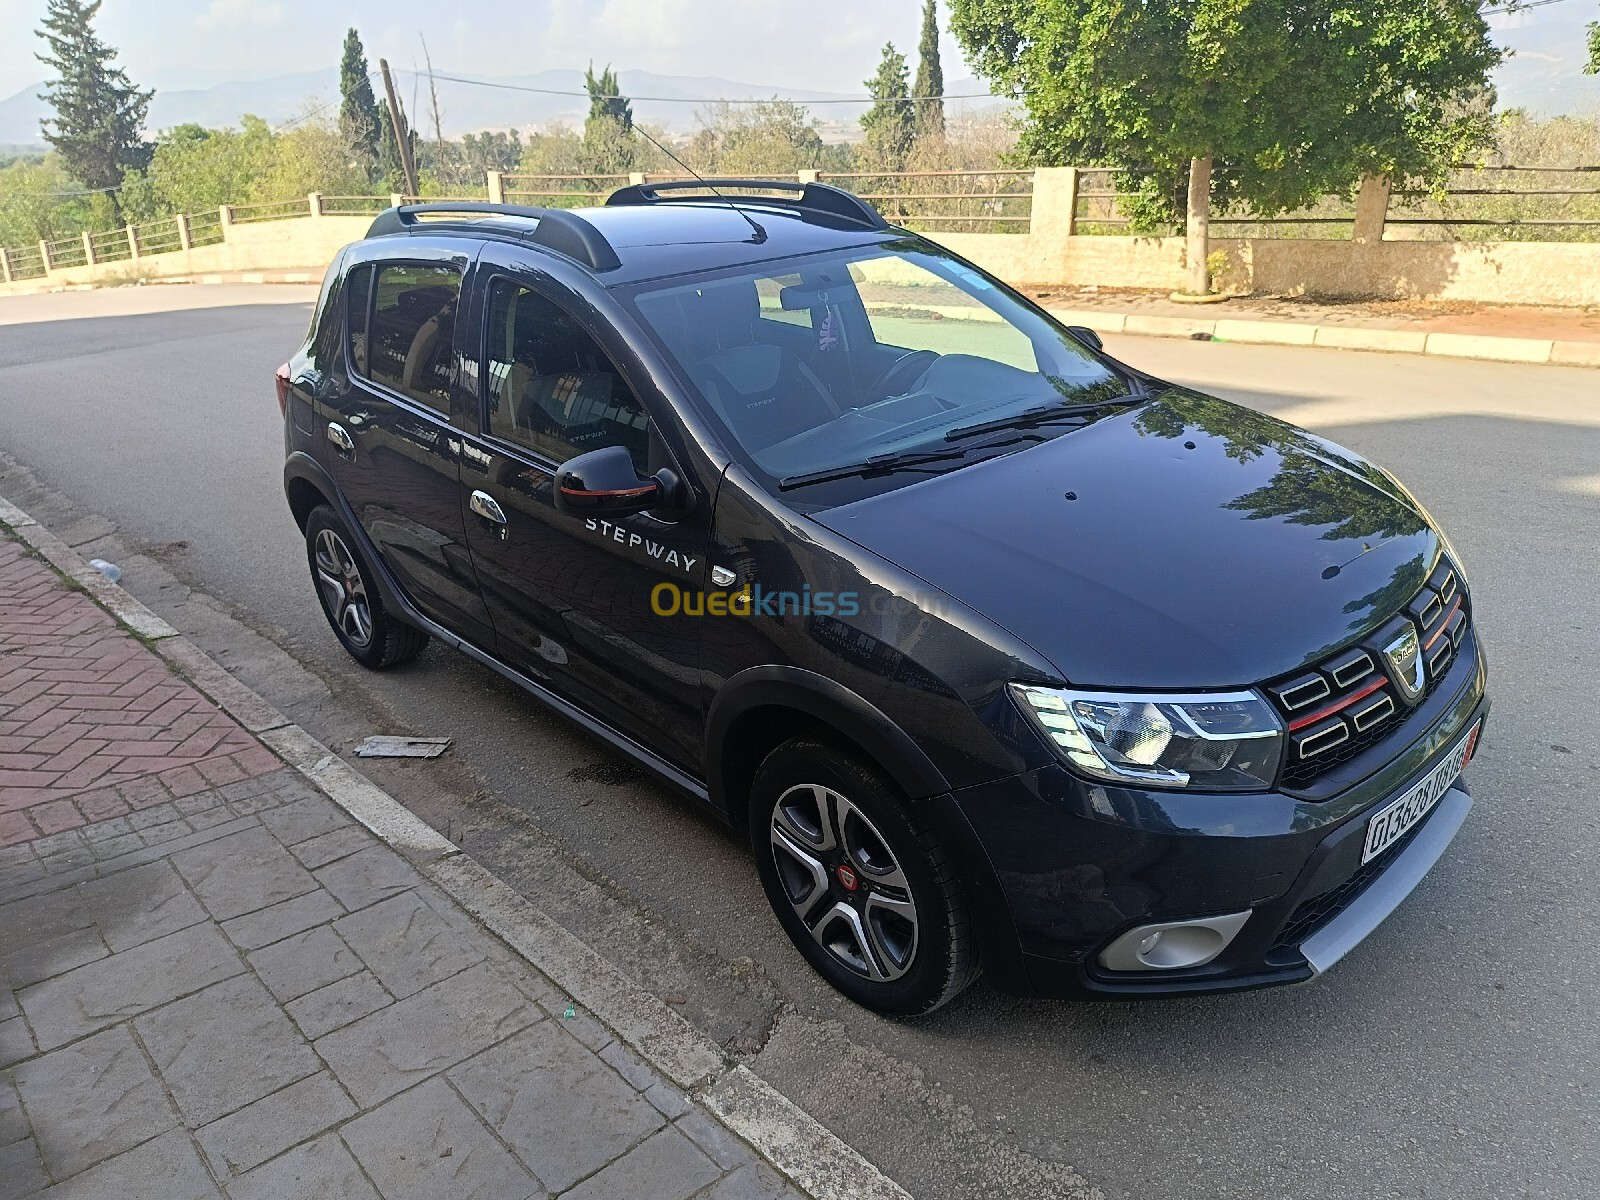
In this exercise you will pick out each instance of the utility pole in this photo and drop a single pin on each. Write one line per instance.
(402, 135)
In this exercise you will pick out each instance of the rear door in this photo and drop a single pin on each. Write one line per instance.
(571, 597)
(391, 430)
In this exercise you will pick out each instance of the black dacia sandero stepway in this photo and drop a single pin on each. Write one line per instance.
(1006, 655)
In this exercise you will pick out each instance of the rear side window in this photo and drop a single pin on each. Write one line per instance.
(402, 328)
(550, 386)
(324, 335)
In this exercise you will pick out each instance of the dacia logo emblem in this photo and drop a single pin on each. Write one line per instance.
(1406, 666)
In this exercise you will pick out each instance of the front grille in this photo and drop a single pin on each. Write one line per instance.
(1347, 702)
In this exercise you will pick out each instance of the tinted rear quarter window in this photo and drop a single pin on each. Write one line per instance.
(402, 328)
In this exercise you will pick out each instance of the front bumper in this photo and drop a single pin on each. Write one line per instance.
(1080, 864)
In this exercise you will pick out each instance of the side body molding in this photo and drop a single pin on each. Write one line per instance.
(826, 700)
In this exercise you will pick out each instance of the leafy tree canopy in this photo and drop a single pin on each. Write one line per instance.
(773, 137)
(1290, 98)
(98, 124)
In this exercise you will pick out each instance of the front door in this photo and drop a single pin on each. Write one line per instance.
(571, 597)
(392, 446)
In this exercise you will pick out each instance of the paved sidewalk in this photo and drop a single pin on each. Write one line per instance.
(1557, 336)
(213, 981)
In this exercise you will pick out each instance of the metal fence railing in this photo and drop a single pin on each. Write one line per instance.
(111, 245)
(277, 210)
(158, 237)
(560, 191)
(1479, 203)
(1489, 203)
(353, 206)
(67, 252)
(25, 263)
(1503, 203)
(946, 201)
(205, 229)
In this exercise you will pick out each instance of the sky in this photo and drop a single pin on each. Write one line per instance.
(174, 44)
(179, 44)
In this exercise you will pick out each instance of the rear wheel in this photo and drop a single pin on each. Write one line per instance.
(860, 884)
(350, 601)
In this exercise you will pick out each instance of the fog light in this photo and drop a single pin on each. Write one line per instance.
(1173, 945)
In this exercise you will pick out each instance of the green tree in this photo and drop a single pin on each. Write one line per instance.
(194, 169)
(608, 141)
(1258, 103)
(360, 120)
(891, 122)
(929, 87)
(772, 137)
(391, 171)
(39, 201)
(1594, 49)
(492, 150)
(98, 125)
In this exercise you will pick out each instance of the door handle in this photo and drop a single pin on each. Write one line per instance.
(489, 509)
(341, 439)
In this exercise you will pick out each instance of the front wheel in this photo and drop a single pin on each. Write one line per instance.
(859, 883)
(349, 600)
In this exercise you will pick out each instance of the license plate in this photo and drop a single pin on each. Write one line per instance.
(1392, 823)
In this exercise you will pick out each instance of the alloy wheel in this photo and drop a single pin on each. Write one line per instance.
(844, 882)
(343, 588)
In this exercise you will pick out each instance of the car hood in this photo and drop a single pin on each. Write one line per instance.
(1188, 543)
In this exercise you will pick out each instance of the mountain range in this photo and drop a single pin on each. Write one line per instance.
(1545, 76)
(670, 101)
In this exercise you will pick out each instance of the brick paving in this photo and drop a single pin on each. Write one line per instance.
(214, 983)
(92, 725)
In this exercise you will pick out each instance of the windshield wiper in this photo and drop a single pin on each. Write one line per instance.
(1045, 414)
(881, 464)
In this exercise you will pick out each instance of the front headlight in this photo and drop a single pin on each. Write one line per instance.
(1229, 741)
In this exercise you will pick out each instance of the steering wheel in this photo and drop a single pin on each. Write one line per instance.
(903, 371)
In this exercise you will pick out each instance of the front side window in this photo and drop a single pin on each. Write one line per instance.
(882, 351)
(402, 334)
(549, 385)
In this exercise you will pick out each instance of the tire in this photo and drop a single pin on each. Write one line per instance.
(859, 881)
(349, 598)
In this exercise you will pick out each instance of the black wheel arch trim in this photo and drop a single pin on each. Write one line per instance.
(825, 700)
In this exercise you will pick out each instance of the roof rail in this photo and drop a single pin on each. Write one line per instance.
(818, 198)
(558, 229)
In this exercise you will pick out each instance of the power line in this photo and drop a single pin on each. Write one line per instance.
(519, 87)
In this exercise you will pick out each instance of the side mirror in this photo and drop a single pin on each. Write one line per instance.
(604, 483)
(1087, 336)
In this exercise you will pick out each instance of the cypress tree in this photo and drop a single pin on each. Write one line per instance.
(606, 102)
(929, 87)
(98, 125)
(360, 119)
(891, 121)
(608, 144)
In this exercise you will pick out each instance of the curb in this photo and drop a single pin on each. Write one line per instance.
(790, 1139)
(1542, 351)
(41, 286)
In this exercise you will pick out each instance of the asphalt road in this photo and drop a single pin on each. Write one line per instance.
(1453, 1054)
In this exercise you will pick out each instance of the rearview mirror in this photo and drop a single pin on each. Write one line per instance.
(604, 483)
(1087, 336)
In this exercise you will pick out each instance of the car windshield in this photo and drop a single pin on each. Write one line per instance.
(874, 354)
